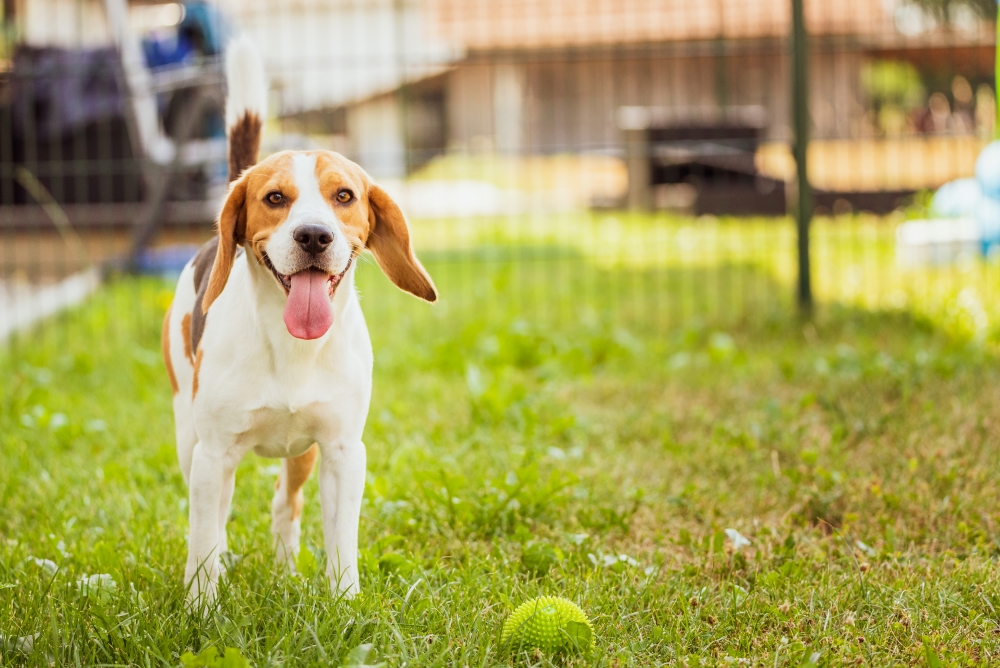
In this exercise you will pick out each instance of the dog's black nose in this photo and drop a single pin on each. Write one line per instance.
(313, 239)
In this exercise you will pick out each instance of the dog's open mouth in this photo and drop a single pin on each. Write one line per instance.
(285, 281)
(309, 304)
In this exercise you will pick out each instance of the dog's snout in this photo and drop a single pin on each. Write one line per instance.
(313, 239)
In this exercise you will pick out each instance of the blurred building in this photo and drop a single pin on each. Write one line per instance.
(396, 82)
(551, 76)
(559, 70)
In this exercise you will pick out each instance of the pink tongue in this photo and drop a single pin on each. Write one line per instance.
(308, 312)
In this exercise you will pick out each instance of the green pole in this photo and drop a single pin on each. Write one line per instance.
(800, 116)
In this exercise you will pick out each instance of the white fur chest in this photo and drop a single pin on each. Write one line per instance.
(267, 392)
(323, 405)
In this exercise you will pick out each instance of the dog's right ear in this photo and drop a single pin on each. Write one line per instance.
(232, 227)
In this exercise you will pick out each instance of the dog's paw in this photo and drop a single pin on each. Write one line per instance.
(285, 555)
(202, 590)
(202, 601)
(344, 584)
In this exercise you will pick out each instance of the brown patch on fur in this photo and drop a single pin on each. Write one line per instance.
(202, 268)
(298, 469)
(197, 368)
(165, 342)
(202, 264)
(244, 144)
(186, 333)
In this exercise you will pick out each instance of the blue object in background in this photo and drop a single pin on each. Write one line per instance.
(988, 170)
(166, 261)
(957, 199)
(166, 48)
(205, 26)
(988, 208)
(988, 217)
(204, 31)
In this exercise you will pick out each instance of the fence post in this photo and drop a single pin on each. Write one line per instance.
(800, 115)
(403, 92)
(634, 125)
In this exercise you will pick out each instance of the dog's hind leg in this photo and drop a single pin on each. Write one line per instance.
(286, 509)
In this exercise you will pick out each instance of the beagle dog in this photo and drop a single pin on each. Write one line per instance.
(265, 343)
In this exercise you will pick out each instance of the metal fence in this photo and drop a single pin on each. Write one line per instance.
(636, 155)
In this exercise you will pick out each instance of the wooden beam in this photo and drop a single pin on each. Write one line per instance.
(98, 216)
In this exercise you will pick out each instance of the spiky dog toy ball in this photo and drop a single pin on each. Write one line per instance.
(550, 623)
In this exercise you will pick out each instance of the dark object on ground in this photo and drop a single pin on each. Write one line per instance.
(712, 164)
(718, 160)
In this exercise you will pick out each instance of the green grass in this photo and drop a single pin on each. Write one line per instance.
(853, 258)
(555, 426)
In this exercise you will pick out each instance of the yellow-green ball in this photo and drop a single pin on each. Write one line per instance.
(549, 623)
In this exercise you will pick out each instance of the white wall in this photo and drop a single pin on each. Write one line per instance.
(509, 85)
(323, 53)
(375, 130)
(319, 53)
(64, 23)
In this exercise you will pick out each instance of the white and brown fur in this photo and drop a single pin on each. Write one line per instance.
(241, 381)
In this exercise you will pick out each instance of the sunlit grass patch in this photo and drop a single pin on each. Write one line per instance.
(730, 268)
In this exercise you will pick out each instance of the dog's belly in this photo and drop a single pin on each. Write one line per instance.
(282, 432)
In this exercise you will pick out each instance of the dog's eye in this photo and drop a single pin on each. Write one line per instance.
(275, 198)
(344, 196)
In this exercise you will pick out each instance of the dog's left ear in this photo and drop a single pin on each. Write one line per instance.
(389, 242)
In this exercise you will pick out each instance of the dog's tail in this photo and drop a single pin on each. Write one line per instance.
(246, 105)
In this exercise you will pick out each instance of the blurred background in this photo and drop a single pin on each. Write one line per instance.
(564, 161)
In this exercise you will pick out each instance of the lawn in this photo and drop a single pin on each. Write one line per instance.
(853, 263)
(560, 424)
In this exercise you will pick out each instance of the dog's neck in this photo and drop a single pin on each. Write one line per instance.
(269, 301)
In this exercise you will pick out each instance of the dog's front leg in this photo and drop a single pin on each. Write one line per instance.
(211, 476)
(341, 486)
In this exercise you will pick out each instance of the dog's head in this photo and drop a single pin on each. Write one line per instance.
(306, 216)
